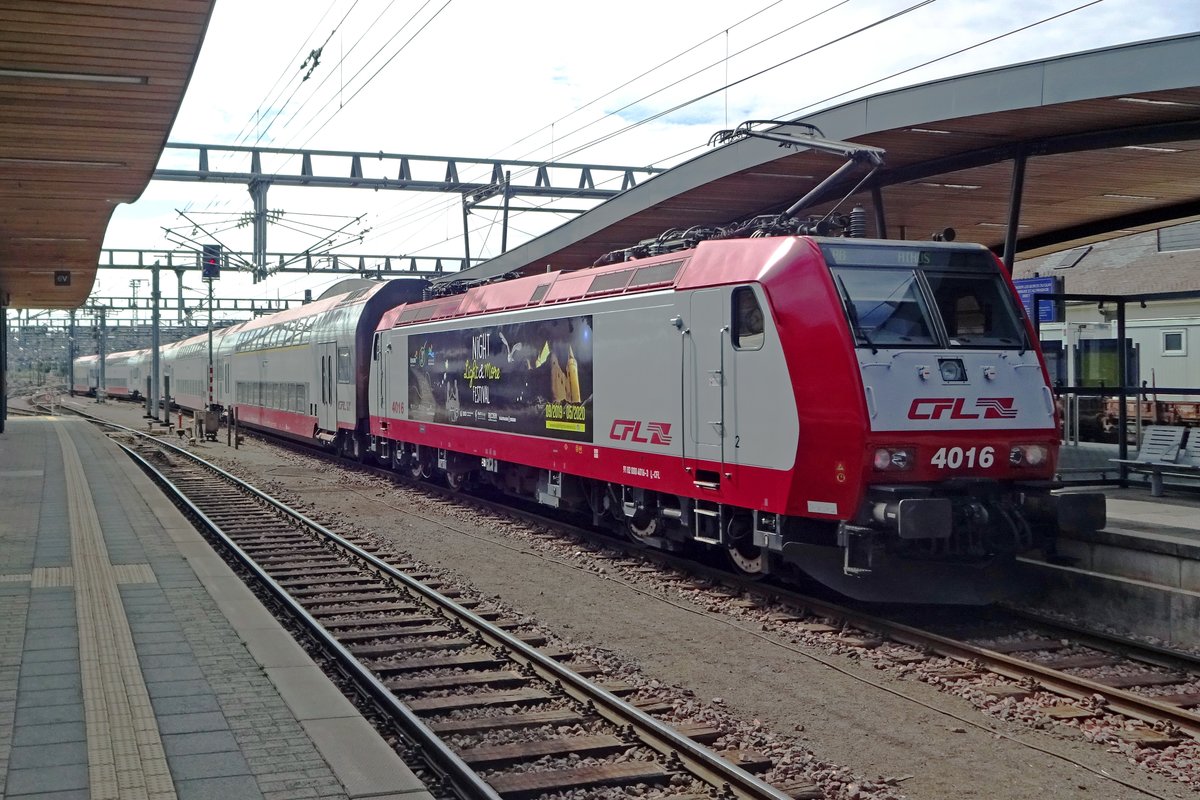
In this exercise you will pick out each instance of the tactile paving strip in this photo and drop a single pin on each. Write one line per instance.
(125, 752)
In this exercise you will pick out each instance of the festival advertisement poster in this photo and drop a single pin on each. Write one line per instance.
(532, 378)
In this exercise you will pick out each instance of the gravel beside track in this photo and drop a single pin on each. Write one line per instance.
(828, 710)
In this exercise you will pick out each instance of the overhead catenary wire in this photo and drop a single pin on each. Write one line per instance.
(385, 225)
(825, 101)
(268, 101)
(678, 106)
(660, 114)
(330, 72)
(256, 116)
(660, 65)
(315, 51)
(341, 61)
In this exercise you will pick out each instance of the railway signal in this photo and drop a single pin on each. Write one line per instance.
(210, 262)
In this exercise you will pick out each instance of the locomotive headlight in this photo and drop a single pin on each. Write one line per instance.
(893, 458)
(1028, 455)
(952, 370)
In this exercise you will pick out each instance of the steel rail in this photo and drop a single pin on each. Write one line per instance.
(1124, 702)
(465, 781)
(1131, 705)
(696, 758)
(1145, 652)
(1127, 703)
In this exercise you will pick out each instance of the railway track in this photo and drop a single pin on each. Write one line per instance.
(1009, 657)
(1012, 654)
(487, 712)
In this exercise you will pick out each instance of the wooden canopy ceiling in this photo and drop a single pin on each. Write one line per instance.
(1109, 141)
(89, 90)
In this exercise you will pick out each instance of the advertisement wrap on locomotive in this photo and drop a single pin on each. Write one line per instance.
(532, 378)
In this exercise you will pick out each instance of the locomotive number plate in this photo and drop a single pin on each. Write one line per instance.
(969, 457)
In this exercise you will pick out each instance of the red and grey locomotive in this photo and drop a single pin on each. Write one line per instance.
(874, 413)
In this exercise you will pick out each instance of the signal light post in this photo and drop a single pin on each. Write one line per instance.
(210, 270)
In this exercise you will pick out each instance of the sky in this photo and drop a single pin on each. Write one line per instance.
(621, 82)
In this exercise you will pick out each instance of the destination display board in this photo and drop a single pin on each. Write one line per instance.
(531, 378)
(1047, 310)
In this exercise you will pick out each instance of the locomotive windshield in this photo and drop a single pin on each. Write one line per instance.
(925, 297)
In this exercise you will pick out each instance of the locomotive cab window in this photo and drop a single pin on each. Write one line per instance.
(885, 306)
(748, 331)
(917, 297)
(976, 309)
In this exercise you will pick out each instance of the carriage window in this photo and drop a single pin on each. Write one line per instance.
(747, 320)
(345, 368)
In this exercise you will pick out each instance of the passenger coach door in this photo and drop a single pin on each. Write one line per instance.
(704, 379)
(327, 408)
(380, 375)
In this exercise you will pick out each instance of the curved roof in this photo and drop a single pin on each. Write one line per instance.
(1110, 141)
(89, 91)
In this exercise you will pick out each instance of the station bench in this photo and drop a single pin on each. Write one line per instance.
(1163, 452)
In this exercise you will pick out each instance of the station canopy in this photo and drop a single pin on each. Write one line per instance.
(1094, 145)
(89, 92)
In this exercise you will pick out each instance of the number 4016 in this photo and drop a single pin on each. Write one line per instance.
(955, 457)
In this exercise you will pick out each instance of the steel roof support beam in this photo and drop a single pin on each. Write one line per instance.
(1150, 216)
(880, 218)
(1014, 210)
(1055, 145)
(1022, 151)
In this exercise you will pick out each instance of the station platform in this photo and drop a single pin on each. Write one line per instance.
(1140, 574)
(135, 664)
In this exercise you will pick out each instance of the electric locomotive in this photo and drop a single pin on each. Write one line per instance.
(873, 413)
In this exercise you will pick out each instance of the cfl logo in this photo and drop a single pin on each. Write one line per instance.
(936, 407)
(630, 430)
(997, 407)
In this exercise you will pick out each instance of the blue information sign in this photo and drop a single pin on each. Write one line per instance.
(1028, 287)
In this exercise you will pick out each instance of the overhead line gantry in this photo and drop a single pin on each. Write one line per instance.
(400, 171)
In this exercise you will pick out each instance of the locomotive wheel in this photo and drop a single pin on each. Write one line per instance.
(746, 557)
(642, 526)
(416, 468)
(458, 481)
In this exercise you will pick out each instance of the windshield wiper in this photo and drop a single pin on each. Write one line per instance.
(852, 314)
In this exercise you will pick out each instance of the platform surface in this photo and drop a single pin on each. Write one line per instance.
(135, 664)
